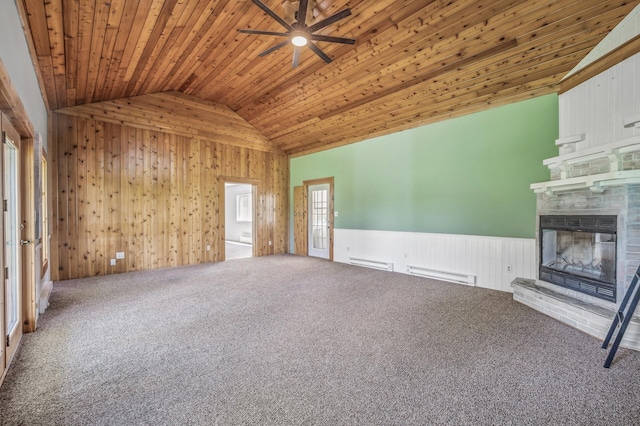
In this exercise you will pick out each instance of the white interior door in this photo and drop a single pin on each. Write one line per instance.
(13, 288)
(318, 213)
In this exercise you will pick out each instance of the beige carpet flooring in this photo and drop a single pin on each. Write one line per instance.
(286, 340)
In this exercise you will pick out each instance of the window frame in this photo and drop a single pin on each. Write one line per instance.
(244, 208)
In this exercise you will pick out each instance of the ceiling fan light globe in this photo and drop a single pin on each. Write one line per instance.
(299, 40)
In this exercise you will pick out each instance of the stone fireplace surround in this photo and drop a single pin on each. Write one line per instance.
(600, 181)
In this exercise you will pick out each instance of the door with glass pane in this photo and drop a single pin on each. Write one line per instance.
(13, 266)
(319, 220)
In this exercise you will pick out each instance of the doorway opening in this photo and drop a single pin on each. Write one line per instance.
(239, 220)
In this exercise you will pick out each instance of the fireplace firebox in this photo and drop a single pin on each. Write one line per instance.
(579, 253)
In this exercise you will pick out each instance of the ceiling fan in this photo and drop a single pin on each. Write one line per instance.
(299, 34)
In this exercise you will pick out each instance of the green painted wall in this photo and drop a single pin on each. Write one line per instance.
(468, 175)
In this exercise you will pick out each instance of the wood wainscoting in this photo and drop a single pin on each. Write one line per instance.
(482, 261)
(152, 195)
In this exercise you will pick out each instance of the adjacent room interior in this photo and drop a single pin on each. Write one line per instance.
(238, 220)
(319, 212)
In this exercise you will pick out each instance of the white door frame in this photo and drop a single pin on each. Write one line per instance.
(13, 285)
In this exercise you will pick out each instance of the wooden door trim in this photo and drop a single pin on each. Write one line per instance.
(27, 219)
(300, 221)
(321, 181)
(12, 106)
(255, 191)
(25, 145)
(318, 181)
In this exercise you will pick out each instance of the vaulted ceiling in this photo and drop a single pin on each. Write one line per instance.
(414, 62)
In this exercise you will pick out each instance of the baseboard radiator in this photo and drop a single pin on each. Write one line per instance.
(375, 264)
(454, 277)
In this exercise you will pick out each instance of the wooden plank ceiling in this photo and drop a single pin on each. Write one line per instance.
(414, 62)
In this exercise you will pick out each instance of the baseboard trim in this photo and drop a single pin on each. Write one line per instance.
(43, 303)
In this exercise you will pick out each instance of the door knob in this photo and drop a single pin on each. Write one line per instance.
(25, 242)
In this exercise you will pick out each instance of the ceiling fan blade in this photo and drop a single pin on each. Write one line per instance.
(319, 52)
(273, 33)
(330, 20)
(302, 13)
(274, 48)
(272, 14)
(320, 37)
(296, 57)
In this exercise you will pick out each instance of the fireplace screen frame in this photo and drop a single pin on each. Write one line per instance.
(603, 224)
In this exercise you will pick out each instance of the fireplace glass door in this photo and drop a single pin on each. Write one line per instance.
(578, 255)
(587, 254)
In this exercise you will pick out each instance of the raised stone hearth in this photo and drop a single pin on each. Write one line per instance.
(593, 319)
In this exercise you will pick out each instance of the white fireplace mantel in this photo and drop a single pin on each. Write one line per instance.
(612, 152)
(622, 146)
(596, 183)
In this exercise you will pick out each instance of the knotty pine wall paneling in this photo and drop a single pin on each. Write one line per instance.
(152, 195)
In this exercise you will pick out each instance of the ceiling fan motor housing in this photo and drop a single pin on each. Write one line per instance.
(291, 11)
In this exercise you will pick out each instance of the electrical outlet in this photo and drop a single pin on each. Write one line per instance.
(335, 214)
(269, 242)
(508, 268)
(113, 262)
(208, 247)
(119, 255)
